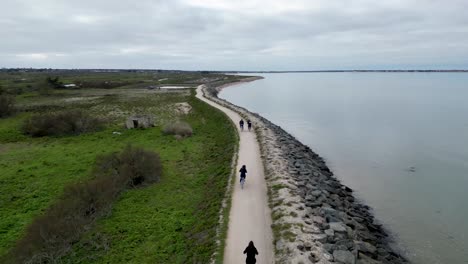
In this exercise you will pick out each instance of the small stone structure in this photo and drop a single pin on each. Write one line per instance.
(139, 121)
(183, 108)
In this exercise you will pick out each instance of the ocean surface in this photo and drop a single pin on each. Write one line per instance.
(399, 140)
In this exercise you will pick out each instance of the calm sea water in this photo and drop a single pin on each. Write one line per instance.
(400, 140)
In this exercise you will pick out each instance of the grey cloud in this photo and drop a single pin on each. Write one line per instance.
(177, 34)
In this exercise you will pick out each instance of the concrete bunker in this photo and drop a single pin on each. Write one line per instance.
(139, 121)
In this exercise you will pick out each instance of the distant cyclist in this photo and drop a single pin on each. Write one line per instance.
(241, 124)
(251, 251)
(249, 124)
(243, 174)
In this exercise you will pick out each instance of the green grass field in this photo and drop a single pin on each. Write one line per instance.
(173, 221)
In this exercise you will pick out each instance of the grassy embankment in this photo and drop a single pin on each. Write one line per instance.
(172, 221)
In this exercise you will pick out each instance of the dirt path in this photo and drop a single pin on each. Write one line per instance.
(249, 218)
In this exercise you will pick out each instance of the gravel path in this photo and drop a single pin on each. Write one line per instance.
(250, 216)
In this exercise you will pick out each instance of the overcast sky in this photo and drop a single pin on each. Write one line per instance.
(234, 34)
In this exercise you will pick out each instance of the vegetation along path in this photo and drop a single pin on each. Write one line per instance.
(249, 218)
(172, 220)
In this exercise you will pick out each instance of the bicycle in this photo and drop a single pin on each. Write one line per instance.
(242, 182)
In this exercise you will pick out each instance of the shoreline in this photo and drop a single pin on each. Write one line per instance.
(316, 219)
(218, 89)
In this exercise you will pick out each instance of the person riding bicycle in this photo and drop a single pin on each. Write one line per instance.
(249, 124)
(241, 124)
(251, 251)
(243, 173)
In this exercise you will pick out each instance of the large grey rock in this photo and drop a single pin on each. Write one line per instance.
(327, 210)
(365, 247)
(316, 193)
(338, 226)
(327, 256)
(364, 259)
(345, 244)
(319, 220)
(320, 237)
(329, 247)
(311, 230)
(330, 232)
(344, 256)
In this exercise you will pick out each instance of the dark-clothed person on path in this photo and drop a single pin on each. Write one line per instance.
(243, 172)
(251, 251)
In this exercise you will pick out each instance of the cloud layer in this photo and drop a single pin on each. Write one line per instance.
(235, 35)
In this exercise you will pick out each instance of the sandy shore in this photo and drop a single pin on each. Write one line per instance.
(245, 80)
(315, 218)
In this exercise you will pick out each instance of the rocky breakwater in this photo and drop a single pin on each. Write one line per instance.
(315, 218)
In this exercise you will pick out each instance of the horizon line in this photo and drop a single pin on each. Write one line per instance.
(239, 71)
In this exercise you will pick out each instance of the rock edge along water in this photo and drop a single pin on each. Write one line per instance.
(316, 218)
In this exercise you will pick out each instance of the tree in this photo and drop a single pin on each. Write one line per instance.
(54, 82)
(7, 105)
(47, 86)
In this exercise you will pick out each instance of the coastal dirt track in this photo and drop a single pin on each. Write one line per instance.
(249, 218)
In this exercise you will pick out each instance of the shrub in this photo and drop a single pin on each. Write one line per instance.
(63, 123)
(178, 128)
(44, 87)
(52, 235)
(132, 167)
(54, 82)
(7, 105)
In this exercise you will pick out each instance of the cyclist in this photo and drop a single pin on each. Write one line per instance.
(241, 124)
(249, 124)
(243, 174)
(251, 251)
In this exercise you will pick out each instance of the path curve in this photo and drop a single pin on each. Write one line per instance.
(249, 218)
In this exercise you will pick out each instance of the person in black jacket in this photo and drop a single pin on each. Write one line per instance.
(243, 173)
(251, 251)
(241, 124)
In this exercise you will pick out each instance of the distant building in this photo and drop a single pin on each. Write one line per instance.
(139, 121)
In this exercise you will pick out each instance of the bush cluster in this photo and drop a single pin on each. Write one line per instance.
(72, 122)
(132, 167)
(51, 236)
(7, 105)
(179, 128)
